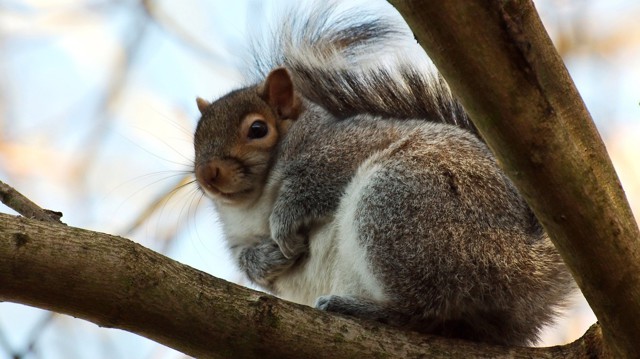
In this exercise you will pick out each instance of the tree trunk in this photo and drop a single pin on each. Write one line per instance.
(500, 62)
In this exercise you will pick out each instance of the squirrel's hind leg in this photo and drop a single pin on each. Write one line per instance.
(360, 307)
(444, 234)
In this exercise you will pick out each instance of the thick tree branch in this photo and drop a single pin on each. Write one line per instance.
(114, 282)
(499, 60)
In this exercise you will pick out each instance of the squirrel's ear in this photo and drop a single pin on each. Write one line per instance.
(202, 104)
(278, 92)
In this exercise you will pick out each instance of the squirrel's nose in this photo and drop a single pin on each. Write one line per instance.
(208, 174)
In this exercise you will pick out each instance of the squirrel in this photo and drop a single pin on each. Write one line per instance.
(361, 188)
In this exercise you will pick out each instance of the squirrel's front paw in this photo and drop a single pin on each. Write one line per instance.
(292, 245)
(288, 237)
(263, 262)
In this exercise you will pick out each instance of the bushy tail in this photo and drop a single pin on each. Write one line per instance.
(356, 62)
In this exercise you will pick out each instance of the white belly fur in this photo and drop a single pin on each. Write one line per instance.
(337, 264)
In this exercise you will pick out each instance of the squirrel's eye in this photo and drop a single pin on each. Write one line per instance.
(258, 129)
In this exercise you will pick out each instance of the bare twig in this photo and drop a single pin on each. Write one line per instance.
(23, 205)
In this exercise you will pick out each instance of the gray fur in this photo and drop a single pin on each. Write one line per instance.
(263, 262)
(454, 246)
(380, 201)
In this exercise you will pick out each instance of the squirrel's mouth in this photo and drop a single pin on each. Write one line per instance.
(226, 197)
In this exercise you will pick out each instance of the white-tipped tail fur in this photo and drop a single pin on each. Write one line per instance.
(356, 62)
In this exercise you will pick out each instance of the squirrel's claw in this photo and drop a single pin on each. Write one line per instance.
(291, 246)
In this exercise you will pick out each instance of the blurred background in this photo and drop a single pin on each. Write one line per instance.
(97, 111)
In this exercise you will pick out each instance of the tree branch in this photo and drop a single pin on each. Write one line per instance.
(500, 62)
(23, 205)
(114, 282)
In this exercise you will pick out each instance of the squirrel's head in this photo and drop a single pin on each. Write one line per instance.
(237, 137)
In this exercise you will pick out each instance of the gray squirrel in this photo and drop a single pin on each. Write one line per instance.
(361, 187)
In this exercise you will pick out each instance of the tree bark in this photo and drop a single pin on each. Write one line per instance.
(23, 205)
(116, 283)
(500, 62)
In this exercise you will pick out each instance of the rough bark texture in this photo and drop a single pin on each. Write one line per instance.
(114, 282)
(500, 62)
